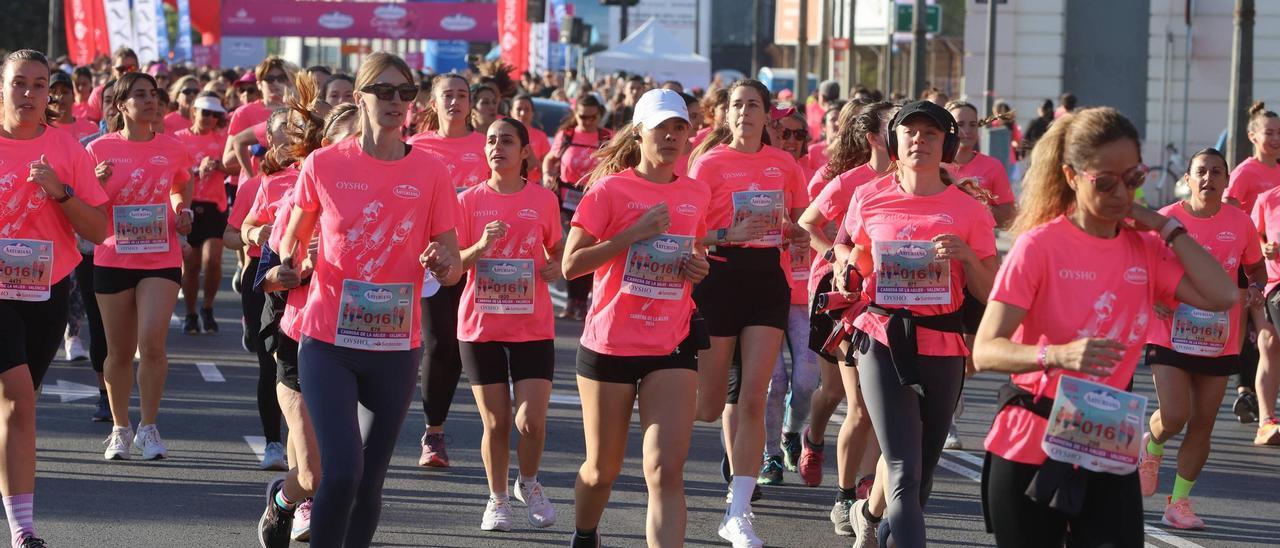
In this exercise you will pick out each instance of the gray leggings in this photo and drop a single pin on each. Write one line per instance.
(911, 430)
(357, 400)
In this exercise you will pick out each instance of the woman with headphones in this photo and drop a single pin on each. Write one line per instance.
(917, 240)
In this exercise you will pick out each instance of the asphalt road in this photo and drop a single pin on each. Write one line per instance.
(210, 492)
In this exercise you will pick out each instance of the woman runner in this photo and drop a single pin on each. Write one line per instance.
(204, 139)
(638, 229)
(138, 269)
(48, 194)
(1079, 197)
(378, 203)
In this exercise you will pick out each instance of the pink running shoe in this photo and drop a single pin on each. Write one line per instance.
(1148, 468)
(301, 530)
(1180, 516)
(434, 453)
(811, 458)
(864, 486)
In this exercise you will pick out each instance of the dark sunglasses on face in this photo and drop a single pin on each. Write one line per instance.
(210, 114)
(275, 79)
(125, 68)
(797, 134)
(384, 91)
(1107, 182)
(189, 92)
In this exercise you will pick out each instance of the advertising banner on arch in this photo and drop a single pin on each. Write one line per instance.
(419, 20)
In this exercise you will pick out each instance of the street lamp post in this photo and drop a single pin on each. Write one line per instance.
(1241, 81)
(918, 49)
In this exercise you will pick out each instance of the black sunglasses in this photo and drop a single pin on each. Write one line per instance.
(275, 79)
(799, 134)
(385, 92)
(210, 114)
(189, 91)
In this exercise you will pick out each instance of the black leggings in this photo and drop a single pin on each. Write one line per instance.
(441, 365)
(251, 303)
(911, 429)
(92, 314)
(1247, 374)
(357, 400)
(1111, 516)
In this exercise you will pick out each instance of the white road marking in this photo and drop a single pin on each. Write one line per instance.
(558, 297)
(976, 475)
(210, 372)
(256, 443)
(69, 391)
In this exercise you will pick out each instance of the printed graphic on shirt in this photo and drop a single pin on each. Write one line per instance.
(16, 207)
(1095, 426)
(26, 267)
(504, 286)
(1199, 332)
(653, 267)
(764, 204)
(908, 272)
(374, 316)
(141, 228)
(369, 241)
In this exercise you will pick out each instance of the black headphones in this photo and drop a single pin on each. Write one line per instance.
(951, 140)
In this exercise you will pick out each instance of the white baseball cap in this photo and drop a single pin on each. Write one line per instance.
(657, 106)
(211, 104)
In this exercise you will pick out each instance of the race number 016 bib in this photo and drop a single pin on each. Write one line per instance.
(653, 267)
(1199, 332)
(801, 260)
(141, 228)
(766, 204)
(26, 269)
(504, 286)
(909, 273)
(1095, 426)
(375, 316)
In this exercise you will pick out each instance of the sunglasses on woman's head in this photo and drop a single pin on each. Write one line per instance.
(385, 92)
(1106, 182)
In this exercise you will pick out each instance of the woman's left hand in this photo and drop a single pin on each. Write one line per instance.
(184, 221)
(951, 247)
(1146, 219)
(695, 267)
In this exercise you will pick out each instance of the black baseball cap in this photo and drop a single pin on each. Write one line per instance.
(60, 77)
(938, 115)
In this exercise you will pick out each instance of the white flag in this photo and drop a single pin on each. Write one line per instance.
(144, 31)
(119, 23)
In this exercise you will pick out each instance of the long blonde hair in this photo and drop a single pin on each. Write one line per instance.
(1071, 140)
(620, 154)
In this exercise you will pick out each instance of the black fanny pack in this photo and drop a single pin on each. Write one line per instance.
(903, 347)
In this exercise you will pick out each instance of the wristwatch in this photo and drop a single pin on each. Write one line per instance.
(67, 194)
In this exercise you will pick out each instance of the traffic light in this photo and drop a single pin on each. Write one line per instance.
(569, 29)
(536, 11)
(622, 3)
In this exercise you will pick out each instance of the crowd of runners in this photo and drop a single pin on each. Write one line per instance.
(732, 254)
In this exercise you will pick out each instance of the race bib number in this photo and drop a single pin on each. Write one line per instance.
(26, 269)
(909, 273)
(801, 260)
(141, 228)
(1199, 332)
(375, 316)
(504, 286)
(764, 204)
(1095, 426)
(653, 267)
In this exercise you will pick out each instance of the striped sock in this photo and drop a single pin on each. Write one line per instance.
(21, 512)
(283, 502)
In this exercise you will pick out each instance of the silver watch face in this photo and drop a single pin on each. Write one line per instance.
(70, 192)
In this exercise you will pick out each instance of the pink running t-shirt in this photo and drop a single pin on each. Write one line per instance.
(1075, 285)
(576, 160)
(520, 311)
(143, 231)
(989, 173)
(248, 117)
(174, 122)
(210, 188)
(832, 202)
(892, 215)
(817, 156)
(1233, 240)
(27, 212)
(376, 218)
(1266, 217)
(621, 321)
(743, 179)
(80, 128)
(541, 145)
(462, 156)
(245, 194)
(1251, 178)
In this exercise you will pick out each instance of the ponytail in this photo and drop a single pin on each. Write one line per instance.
(306, 125)
(620, 154)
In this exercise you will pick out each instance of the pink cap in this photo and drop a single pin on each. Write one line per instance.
(157, 68)
(248, 78)
(785, 94)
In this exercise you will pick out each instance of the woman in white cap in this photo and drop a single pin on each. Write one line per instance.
(204, 141)
(637, 229)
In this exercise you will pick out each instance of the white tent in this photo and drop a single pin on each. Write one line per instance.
(652, 51)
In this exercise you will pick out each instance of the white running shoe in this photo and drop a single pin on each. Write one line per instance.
(273, 457)
(118, 444)
(739, 531)
(75, 349)
(953, 438)
(148, 438)
(541, 512)
(497, 515)
(865, 533)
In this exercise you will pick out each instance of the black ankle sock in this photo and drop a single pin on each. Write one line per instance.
(585, 538)
(846, 494)
(816, 446)
(867, 514)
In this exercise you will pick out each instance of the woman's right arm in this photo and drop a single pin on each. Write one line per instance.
(813, 221)
(302, 224)
(994, 350)
(237, 157)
